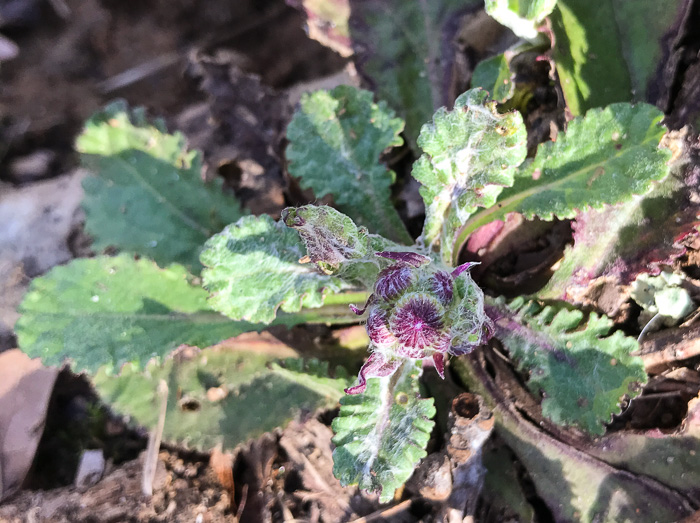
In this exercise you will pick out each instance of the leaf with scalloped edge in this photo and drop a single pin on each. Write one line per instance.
(109, 311)
(381, 434)
(252, 269)
(470, 154)
(623, 241)
(581, 370)
(335, 141)
(605, 157)
(521, 16)
(215, 395)
(147, 195)
(406, 53)
(337, 245)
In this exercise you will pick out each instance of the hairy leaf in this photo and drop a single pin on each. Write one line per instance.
(628, 63)
(337, 245)
(603, 158)
(147, 196)
(382, 433)
(470, 154)
(335, 141)
(493, 75)
(520, 16)
(109, 311)
(404, 50)
(581, 371)
(215, 396)
(622, 241)
(252, 269)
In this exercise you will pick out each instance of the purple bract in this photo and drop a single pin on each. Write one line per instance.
(442, 287)
(393, 280)
(378, 329)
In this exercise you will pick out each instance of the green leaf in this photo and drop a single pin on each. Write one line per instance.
(470, 154)
(148, 196)
(627, 63)
(109, 311)
(335, 141)
(605, 157)
(382, 434)
(520, 16)
(581, 371)
(401, 49)
(493, 75)
(337, 245)
(252, 269)
(215, 396)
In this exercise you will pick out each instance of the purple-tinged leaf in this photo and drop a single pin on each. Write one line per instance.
(581, 370)
(361, 311)
(628, 239)
(462, 268)
(439, 362)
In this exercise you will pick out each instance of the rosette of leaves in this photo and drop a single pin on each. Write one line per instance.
(422, 306)
(473, 170)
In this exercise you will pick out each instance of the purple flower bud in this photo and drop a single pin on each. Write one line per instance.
(376, 366)
(378, 329)
(393, 280)
(417, 324)
(441, 285)
(411, 258)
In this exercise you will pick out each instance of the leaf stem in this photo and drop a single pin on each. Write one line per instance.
(335, 310)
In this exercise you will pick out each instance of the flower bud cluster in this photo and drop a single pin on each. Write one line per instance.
(419, 310)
